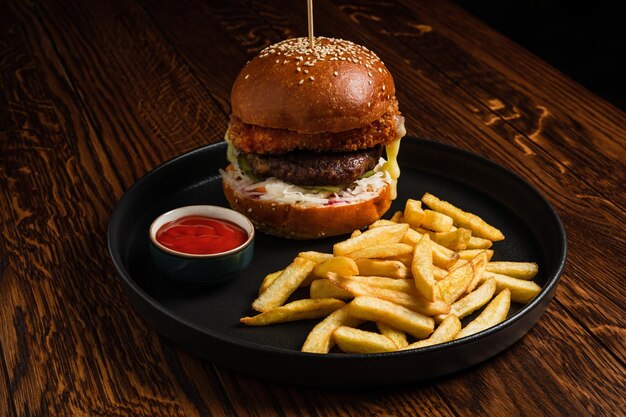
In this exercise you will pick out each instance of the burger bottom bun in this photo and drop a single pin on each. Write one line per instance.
(295, 221)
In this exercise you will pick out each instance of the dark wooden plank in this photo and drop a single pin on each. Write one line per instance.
(554, 370)
(237, 34)
(272, 399)
(70, 342)
(6, 404)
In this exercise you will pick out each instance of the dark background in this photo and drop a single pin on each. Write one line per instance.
(583, 39)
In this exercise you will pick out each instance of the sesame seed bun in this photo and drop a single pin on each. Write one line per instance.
(335, 87)
(298, 221)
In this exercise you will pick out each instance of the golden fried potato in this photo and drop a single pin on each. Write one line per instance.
(445, 332)
(376, 236)
(521, 270)
(384, 268)
(296, 310)
(283, 286)
(472, 301)
(422, 269)
(454, 285)
(375, 309)
(320, 339)
(495, 312)
(351, 340)
(478, 226)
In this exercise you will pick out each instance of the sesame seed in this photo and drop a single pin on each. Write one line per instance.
(312, 78)
(301, 81)
(325, 49)
(246, 77)
(369, 104)
(370, 82)
(380, 70)
(369, 74)
(298, 69)
(306, 71)
(383, 87)
(335, 73)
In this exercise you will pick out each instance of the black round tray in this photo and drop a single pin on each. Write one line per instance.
(206, 322)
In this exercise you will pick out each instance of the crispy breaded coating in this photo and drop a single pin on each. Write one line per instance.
(261, 140)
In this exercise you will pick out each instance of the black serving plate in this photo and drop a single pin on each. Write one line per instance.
(206, 322)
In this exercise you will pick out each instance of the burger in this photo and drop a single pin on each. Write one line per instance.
(313, 139)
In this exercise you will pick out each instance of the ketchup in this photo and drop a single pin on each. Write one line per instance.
(200, 235)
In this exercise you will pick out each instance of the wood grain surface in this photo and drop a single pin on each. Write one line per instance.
(93, 95)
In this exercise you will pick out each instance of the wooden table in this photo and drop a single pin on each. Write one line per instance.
(96, 94)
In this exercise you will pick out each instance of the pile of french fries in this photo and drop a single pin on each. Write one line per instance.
(412, 278)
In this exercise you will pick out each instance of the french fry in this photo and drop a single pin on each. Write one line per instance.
(375, 309)
(405, 259)
(377, 267)
(375, 236)
(495, 312)
(413, 213)
(468, 254)
(324, 288)
(398, 336)
(478, 263)
(476, 242)
(454, 285)
(459, 264)
(382, 250)
(407, 300)
(381, 223)
(296, 310)
(442, 256)
(320, 340)
(269, 278)
(314, 256)
(521, 270)
(472, 301)
(395, 284)
(453, 240)
(340, 265)
(478, 226)
(522, 291)
(445, 332)
(283, 286)
(436, 221)
(351, 340)
(398, 217)
(439, 273)
(428, 264)
(422, 269)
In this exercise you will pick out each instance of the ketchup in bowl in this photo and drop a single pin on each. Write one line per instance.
(201, 235)
(201, 245)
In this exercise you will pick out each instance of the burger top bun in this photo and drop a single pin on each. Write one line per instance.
(337, 86)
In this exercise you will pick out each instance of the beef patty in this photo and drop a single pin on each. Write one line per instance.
(310, 168)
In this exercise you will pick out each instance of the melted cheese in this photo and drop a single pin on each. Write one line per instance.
(392, 166)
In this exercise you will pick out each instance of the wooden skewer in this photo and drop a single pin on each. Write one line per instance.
(310, 15)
